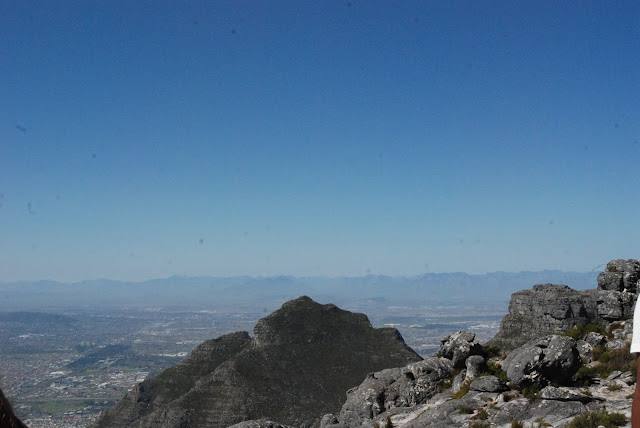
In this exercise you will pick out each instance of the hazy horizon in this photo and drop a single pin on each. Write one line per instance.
(364, 275)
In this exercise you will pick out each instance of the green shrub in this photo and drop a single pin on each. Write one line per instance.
(614, 387)
(491, 351)
(496, 370)
(517, 424)
(464, 409)
(478, 424)
(482, 415)
(596, 419)
(581, 330)
(610, 360)
(597, 351)
(531, 391)
(464, 389)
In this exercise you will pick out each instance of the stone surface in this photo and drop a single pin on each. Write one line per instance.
(475, 364)
(546, 309)
(563, 394)
(392, 388)
(594, 339)
(620, 275)
(553, 309)
(458, 381)
(584, 349)
(531, 412)
(488, 384)
(260, 423)
(297, 368)
(458, 347)
(550, 359)
(613, 305)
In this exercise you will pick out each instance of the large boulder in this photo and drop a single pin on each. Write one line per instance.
(613, 305)
(542, 361)
(476, 364)
(392, 388)
(458, 347)
(620, 275)
(488, 384)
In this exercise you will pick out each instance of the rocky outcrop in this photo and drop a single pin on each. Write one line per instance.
(539, 364)
(488, 384)
(392, 388)
(295, 369)
(542, 361)
(7, 418)
(458, 346)
(552, 309)
(620, 275)
(545, 309)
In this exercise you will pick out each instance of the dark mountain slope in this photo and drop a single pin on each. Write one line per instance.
(7, 418)
(171, 384)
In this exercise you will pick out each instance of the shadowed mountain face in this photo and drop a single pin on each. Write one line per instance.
(298, 367)
(7, 418)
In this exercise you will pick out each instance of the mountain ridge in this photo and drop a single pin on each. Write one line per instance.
(207, 292)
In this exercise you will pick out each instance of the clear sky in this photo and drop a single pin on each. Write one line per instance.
(146, 139)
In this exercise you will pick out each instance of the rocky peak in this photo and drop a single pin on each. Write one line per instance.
(620, 275)
(302, 321)
(297, 367)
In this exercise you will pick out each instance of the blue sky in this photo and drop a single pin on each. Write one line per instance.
(145, 139)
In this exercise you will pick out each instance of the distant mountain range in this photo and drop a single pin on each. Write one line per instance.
(240, 292)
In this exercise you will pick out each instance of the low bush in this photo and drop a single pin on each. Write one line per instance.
(610, 360)
(596, 419)
(464, 409)
(491, 351)
(581, 330)
(531, 391)
(464, 389)
(496, 370)
(481, 415)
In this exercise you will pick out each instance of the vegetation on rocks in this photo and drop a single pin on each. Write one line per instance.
(607, 361)
(581, 330)
(597, 419)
